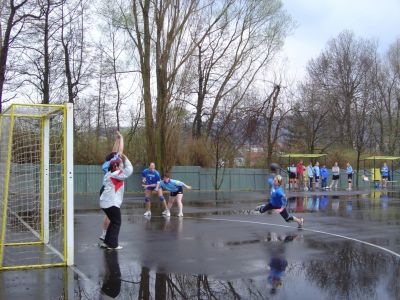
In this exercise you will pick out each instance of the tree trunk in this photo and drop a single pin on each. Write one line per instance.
(46, 58)
(6, 46)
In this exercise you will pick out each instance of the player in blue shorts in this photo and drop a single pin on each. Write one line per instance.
(278, 202)
(150, 179)
(175, 187)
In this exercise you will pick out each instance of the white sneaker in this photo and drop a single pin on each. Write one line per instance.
(102, 237)
(301, 223)
(180, 215)
(147, 213)
(116, 248)
(166, 213)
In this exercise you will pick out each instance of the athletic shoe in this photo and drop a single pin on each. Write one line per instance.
(102, 237)
(301, 223)
(180, 215)
(260, 208)
(166, 213)
(147, 213)
(103, 245)
(115, 248)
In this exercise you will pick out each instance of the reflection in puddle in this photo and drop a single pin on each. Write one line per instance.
(112, 275)
(334, 270)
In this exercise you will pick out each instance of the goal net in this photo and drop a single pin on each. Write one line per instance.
(36, 186)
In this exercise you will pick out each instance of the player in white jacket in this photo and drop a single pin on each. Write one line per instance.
(111, 199)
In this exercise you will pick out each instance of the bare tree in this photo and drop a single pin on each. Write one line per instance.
(386, 98)
(232, 55)
(165, 32)
(13, 16)
(309, 124)
(340, 71)
(73, 41)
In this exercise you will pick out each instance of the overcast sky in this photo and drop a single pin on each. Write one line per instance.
(318, 21)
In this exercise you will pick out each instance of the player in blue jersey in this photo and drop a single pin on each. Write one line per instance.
(150, 179)
(349, 172)
(175, 187)
(278, 202)
(116, 154)
(317, 173)
(385, 175)
(310, 173)
(324, 177)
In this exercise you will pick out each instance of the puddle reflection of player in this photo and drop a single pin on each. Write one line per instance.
(384, 200)
(112, 275)
(335, 203)
(278, 264)
(324, 202)
(299, 204)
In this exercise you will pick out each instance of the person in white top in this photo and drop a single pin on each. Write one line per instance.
(117, 150)
(335, 175)
(112, 197)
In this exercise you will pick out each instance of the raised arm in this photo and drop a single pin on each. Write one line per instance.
(120, 138)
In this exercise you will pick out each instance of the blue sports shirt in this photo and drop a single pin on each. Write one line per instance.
(152, 177)
(310, 171)
(316, 171)
(385, 171)
(172, 185)
(349, 170)
(278, 197)
(324, 173)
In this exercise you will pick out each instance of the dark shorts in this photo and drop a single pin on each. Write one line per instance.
(349, 177)
(151, 188)
(316, 178)
(179, 191)
(335, 177)
(292, 175)
(385, 177)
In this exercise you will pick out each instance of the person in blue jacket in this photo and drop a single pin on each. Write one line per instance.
(324, 177)
(310, 173)
(349, 172)
(150, 179)
(317, 174)
(175, 187)
(278, 202)
(385, 175)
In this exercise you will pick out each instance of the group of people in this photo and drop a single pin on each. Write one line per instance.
(314, 176)
(117, 168)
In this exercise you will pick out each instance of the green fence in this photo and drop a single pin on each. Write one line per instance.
(88, 178)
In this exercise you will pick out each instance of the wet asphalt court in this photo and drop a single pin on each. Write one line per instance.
(349, 249)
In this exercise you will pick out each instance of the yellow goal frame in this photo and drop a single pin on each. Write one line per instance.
(45, 111)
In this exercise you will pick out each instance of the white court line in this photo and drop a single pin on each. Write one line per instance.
(305, 229)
